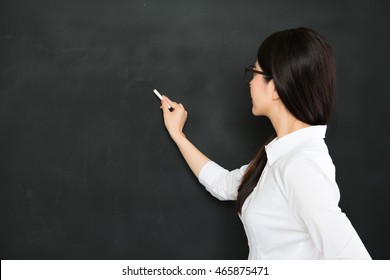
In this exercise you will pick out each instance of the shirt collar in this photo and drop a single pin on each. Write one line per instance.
(279, 146)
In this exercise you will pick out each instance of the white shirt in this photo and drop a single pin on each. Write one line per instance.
(293, 211)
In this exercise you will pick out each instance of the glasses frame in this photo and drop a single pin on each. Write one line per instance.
(250, 69)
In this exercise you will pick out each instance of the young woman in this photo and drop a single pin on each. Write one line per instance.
(287, 196)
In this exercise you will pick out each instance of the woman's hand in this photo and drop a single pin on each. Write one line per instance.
(175, 120)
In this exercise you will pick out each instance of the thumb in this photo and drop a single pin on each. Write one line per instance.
(167, 99)
(169, 102)
(164, 106)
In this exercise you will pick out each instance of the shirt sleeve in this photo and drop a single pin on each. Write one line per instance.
(314, 198)
(221, 183)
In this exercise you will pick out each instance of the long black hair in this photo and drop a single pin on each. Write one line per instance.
(302, 66)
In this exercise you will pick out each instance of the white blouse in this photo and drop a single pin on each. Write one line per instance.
(293, 211)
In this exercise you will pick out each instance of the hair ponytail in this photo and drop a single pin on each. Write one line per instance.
(252, 175)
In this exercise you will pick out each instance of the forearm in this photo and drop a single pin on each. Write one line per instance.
(194, 158)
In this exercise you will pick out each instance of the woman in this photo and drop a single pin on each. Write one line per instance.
(287, 196)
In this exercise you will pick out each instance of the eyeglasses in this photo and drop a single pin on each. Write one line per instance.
(249, 73)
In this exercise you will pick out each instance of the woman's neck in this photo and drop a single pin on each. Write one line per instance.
(285, 123)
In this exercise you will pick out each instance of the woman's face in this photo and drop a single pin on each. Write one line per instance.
(261, 93)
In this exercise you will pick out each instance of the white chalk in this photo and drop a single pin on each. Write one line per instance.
(161, 98)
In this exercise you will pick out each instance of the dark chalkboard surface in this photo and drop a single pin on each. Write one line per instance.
(87, 169)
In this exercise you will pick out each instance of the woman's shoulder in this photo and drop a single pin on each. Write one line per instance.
(307, 167)
(311, 155)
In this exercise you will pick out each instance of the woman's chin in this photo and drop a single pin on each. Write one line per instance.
(257, 113)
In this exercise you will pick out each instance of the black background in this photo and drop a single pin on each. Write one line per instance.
(87, 169)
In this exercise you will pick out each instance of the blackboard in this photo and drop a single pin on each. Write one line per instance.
(87, 169)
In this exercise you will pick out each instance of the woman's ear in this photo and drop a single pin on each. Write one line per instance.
(275, 95)
(272, 90)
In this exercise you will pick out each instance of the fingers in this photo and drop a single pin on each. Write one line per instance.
(175, 107)
(170, 102)
(174, 120)
(164, 106)
(167, 99)
(178, 110)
